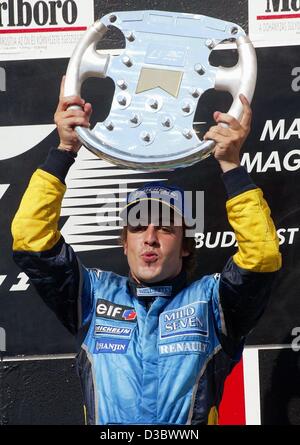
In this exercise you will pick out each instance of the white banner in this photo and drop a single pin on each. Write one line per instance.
(274, 22)
(42, 29)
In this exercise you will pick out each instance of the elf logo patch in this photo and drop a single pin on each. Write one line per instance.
(107, 309)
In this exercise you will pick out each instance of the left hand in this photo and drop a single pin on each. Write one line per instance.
(229, 140)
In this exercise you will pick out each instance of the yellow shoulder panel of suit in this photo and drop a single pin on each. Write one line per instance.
(34, 227)
(213, 416)
(258, 244)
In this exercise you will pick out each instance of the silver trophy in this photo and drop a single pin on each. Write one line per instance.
(159, 78)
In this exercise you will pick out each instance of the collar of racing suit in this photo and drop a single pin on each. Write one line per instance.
(148, 292)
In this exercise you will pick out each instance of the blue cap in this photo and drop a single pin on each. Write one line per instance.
(171, 196)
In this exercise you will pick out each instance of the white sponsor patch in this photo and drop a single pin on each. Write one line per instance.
(275, 22)
(42, 29)
(183, 347)
(113, 331)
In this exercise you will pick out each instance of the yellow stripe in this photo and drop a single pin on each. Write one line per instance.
(213, 416)
(34, 227)
(85, 415)
(258, 245)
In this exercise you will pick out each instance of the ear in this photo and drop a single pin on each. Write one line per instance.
(185, 252)
(125, 247)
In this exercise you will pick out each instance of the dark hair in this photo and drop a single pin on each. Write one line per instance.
(189, 263)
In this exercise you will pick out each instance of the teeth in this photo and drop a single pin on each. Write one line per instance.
(127, 61)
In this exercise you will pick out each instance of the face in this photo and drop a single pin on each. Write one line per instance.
(154, 253)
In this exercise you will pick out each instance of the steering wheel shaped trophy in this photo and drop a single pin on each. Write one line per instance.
(159, 78)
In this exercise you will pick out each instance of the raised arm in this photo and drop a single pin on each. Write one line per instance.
(38, 247)
(245, 283)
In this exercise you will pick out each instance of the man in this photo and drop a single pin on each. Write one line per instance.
(155, 350)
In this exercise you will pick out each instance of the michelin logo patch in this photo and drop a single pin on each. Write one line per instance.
(111, 345)
(108, 330)
(186, 320)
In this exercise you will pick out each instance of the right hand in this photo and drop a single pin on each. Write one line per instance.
(67, 119)
(230, 139)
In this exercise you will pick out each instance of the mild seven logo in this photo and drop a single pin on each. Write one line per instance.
(186, 320)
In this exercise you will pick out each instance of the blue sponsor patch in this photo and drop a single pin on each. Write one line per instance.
(186, 320)
(115, 331)
(111, 345)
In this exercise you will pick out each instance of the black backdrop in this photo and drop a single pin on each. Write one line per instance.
(271, 154)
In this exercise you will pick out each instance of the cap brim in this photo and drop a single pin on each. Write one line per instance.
(124, 211)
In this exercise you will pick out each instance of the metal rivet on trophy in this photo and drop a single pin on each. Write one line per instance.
(127, 61)
(210, 43)
(122, 100)
(199, 69)
(167, 123)
(187, 133)
(109, 125)
(130, 36)
(153, 103)
(195, 92)
(186, 108)
(122, 84)
(135, 120)
(147, 137)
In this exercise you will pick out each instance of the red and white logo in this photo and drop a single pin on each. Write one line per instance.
(274, 22)
(39, 29)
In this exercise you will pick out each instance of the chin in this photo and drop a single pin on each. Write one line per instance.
(150, 276)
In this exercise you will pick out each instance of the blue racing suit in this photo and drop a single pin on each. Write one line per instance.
(150, 354)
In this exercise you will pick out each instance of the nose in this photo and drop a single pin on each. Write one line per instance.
(151, 236)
